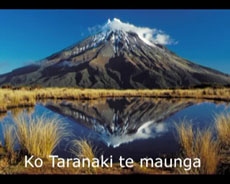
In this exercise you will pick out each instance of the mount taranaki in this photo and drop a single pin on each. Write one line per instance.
(115, 58)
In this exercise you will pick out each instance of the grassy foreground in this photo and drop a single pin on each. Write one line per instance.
(39, 136)
(26, 97)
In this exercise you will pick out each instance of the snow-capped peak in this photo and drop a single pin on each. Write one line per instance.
(122, 36)
(148, 35)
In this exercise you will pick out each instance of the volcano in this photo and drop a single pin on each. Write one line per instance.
(121, 120)
(117, 57)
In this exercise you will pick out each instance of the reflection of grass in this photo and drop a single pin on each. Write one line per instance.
(27, 97)
(199, 145)
(39, 136)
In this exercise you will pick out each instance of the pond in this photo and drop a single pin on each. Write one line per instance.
(128, 127)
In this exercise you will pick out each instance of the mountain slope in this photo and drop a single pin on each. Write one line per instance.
(115, 58)
(122, 120)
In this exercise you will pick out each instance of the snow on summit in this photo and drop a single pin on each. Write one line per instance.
(148, 35)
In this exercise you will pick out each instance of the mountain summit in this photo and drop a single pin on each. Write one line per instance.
(119, 56)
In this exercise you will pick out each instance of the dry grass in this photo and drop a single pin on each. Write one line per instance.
(223, 129)
(9, 138)
(222, 123)
(194, 144)
(199, 144)
(10, 98)
(38, 136)
(15, 98)
(84, 149)
(4, 165)
(72, 93)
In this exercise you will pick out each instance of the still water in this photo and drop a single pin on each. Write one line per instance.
(128, 127)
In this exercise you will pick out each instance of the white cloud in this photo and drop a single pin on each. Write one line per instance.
(148, 130)
(94, 29)
(163, 39)
(150, 36)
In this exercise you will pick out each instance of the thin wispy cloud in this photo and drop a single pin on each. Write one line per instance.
(3, 64)
(30, 62)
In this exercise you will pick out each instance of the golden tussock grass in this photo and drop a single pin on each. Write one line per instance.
(10, 98)
(223, 129)
(38, 136)
(9, 138)
(222, 124)
(84, 149)
(15, 98)
(199, 144)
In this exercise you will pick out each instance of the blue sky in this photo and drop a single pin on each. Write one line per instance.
(26, 36)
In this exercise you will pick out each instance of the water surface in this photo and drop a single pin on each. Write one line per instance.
(128, 127)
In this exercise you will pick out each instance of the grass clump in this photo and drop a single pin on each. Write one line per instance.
(38, 136)
(83, 149)
(222, 124)
(223, 129)
(9, 138)
(198, 144)
(29, 135)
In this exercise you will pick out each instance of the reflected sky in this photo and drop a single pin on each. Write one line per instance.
(129, 127)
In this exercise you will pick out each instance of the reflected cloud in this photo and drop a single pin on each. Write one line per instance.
(148, 130)
(123, 120)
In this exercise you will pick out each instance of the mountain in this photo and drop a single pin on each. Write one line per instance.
(123, 120)
(120, 56)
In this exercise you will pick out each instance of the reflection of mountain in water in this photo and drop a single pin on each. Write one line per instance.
(122, 120)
